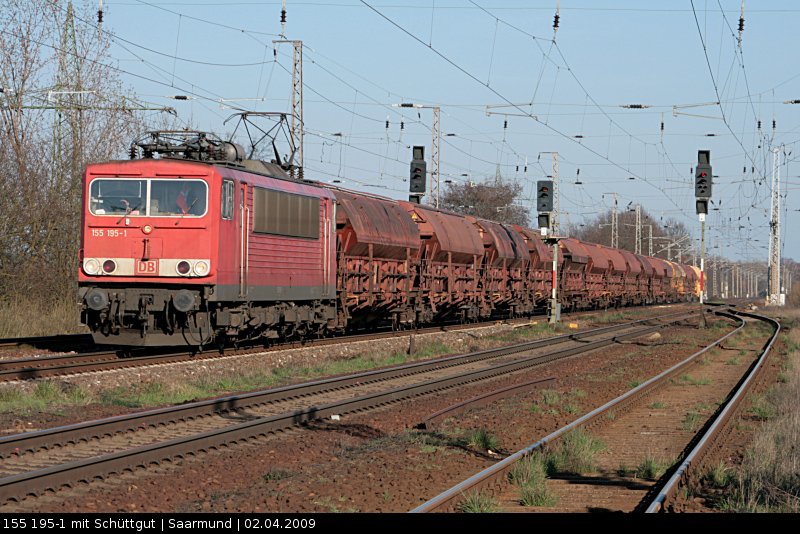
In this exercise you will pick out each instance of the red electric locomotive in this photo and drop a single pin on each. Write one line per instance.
(202, 245)
(173, 247)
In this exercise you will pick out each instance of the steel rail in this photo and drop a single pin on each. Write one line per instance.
(32, 482)
(481, 400)
(703, 445)
(31, 441)
(495, 474)
(33, 368)
(59, 365)
(87, 338)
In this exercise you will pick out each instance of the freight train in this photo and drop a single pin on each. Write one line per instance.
(192, 243)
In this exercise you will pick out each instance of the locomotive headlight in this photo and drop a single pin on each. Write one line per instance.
(183, 268)
(109, 266)
(146, 229)
(91, 266)
(201, 268)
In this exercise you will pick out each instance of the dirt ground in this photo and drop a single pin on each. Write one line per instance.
(377, 461)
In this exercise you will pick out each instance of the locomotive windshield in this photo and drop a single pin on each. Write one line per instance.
(148, 198)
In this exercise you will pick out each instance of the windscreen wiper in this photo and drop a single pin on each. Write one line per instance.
(187, 211)
(128, 211)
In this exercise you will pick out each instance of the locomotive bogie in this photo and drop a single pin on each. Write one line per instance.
(146, 315)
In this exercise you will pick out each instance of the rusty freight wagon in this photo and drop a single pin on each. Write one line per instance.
(202, 245)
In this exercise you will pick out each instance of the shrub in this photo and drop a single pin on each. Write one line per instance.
(530, 475)
(481, 439)
(477, 503)
(575, 454)
(650, 468)
(719, 476)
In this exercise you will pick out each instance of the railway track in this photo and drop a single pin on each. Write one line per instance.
(695, 459)
(67, 364)
(660, 417)
(34, 462)
(57, 342)
(105, 360)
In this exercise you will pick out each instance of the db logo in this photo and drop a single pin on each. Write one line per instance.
(149, 267)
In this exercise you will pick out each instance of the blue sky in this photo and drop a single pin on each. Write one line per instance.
(358, 61)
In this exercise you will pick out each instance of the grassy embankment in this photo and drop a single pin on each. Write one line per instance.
(51, 395)
(768, 479)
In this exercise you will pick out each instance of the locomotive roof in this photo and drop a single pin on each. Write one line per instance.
(252, 166)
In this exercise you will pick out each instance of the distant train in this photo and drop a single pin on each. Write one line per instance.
(201, 246)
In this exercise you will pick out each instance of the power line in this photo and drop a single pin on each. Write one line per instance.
(583, 88)
(210, 22)
(716, 89)
(490, 88)
(105, 65)
(511, 104)
(417, 7)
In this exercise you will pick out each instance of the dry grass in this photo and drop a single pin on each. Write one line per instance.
(530, 475)
(203, 381)
(481, 439)
(19, 318)
(651, 468)
(45, 396)
(575, 453)
(478, 503)
(769, 477)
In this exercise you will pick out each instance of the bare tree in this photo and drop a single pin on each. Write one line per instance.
(496, 201)
(61, 107)
(669, 232)
(23, 159)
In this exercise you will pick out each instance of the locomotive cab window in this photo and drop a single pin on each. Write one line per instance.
(148, 197)
(185, 198)
(118, 197)
(227, 200)
(276, 212)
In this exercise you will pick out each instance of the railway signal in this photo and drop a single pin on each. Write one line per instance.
(417, 178)
(703, 181)
(544, 205)
(544, 201)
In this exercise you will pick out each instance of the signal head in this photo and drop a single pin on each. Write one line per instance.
(703, 179)
(544, 195)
